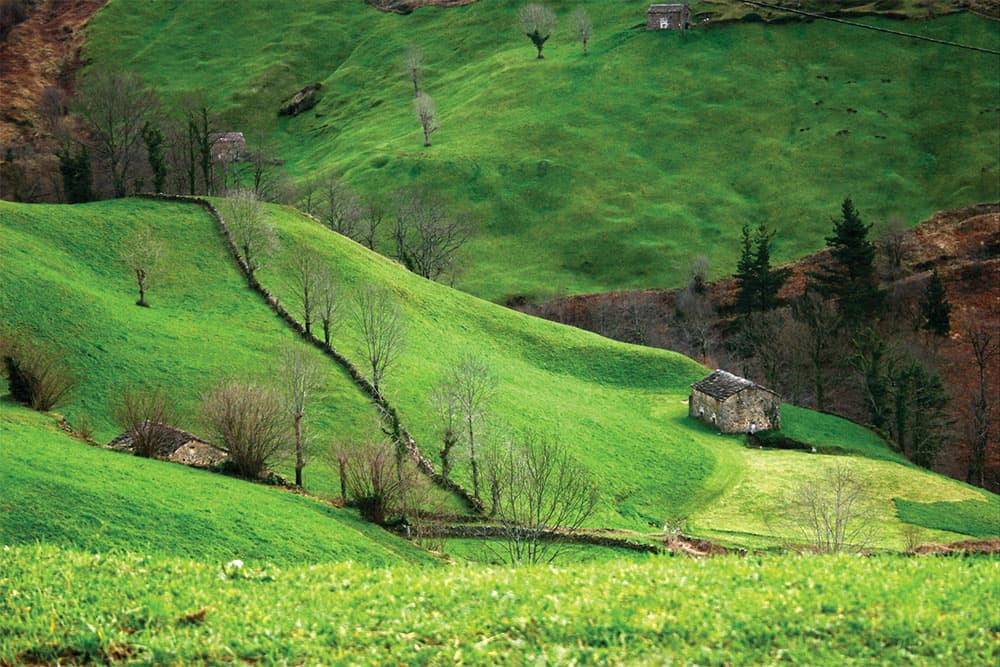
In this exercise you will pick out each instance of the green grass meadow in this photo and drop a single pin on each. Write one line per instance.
(844, 610)
(57, 491)
(607, 171)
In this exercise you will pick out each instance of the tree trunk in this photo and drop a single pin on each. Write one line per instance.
(300, 462)
(141, 279)
(342, 466)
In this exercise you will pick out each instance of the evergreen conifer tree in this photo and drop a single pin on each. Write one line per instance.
(757, 283)
(851, 277)
(935, 308)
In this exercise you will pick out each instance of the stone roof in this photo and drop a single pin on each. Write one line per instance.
(177, 444)
(722, 384)
(657, 8)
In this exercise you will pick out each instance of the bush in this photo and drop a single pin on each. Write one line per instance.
(147, 417)
(377, 483)
(248, 420)
(36, 375)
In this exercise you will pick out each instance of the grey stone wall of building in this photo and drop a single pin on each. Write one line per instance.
(668, 17)
(747, 411)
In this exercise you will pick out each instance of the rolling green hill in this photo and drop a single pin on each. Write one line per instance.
(608, 171)
(57, 491)
(620, 408)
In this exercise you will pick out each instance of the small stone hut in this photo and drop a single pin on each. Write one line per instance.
(734, 404)
(227, 146)
(668, 17)
(180, 447)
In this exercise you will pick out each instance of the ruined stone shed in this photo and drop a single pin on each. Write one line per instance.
(180, 447)
(668, 17)
(734, 404)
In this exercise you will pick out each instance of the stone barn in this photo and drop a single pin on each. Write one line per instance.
(180, 447)
(734, 405)
(668, 17)
(227, 146)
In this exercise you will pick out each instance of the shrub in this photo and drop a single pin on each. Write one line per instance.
(146, 416)
(37, 376)
(248, 420)
(377, 482)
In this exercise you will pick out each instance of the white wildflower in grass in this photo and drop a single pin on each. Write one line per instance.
(234, 565)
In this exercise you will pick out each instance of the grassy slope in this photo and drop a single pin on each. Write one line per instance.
(621, 408)
(54, 490)
(62, 282)
(639, 137)
(742, 611)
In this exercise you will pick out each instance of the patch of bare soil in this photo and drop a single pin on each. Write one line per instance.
(963, 245)
(407, 6)
(965, 547)
(42, 51)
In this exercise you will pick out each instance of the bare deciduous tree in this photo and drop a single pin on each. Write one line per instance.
(343, 210)
(300, 374)
(413, 63)
(379, 323)
(445, 403)
(115, 103)
(247, 419)
(819, 323)
(372, 217)
(474, 384)
(147, 416)
(428, 238)
(892, 247)
(327, 303)
(142, 252)
(423, 107)
(985, 348)
(541, 489)
(582, 26)
(834, 512)
(537, 22)
(307, 275)
(247, 221)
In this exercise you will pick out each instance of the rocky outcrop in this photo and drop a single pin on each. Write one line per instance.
(304, 100)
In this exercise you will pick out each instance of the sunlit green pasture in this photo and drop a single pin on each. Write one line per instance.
(66, 605)
(613, 170)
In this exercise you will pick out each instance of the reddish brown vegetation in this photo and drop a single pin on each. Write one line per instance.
(42, 51)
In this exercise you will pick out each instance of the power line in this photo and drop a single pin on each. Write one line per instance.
(872, 27)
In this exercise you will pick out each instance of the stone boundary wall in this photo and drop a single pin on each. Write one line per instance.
(396, 429)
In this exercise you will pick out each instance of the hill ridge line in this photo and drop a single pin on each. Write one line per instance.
(398, 432)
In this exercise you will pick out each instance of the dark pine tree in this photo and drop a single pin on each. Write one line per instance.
(757, 283)
(76, 176)
(850, 278)
(935, 308)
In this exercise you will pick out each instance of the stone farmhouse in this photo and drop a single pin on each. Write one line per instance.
(668, 17)
(734, 405)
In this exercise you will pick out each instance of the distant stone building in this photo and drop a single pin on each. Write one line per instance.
(668, 17)
(227, 147)
(734, 405)
(180, 447)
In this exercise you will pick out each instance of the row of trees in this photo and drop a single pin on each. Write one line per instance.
(115, 138)
(538, 22)
(425, 235)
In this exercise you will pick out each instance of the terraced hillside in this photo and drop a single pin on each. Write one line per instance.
(590, 173)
